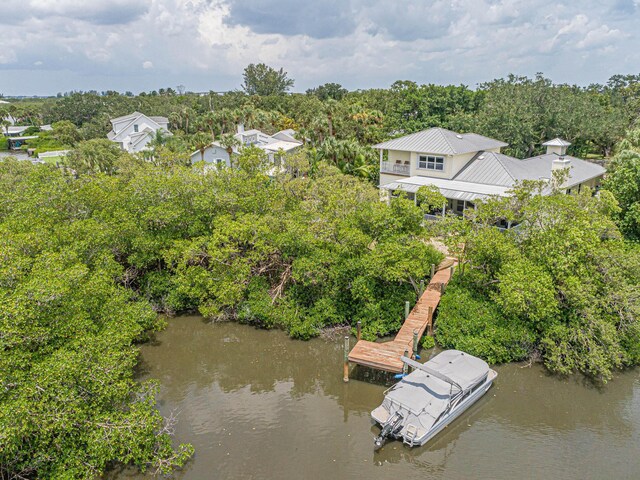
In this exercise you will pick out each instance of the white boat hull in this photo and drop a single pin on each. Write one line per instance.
(380, 414)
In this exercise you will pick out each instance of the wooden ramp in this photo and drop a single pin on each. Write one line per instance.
(386, 356)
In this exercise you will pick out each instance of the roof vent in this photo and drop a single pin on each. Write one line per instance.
(481, 157)
(458, 136)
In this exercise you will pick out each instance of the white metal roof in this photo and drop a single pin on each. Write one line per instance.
(556, 142)
(280, 144)
(454, 189)
(441, 141)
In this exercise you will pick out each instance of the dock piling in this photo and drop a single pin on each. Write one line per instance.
(430, 321)
(407, 309)
(404, 365)
(421, 287)
(415, 344)
(433, 270)
(346, 359)
(359, 329)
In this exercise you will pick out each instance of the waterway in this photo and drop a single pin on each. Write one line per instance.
(258, 405)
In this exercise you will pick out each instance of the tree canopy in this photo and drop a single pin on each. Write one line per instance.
(261, 79)
(563, 285)
(89, 259)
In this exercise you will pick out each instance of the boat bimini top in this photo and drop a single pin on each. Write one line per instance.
(435, 387)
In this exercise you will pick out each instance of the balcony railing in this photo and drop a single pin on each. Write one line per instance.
(388, 167)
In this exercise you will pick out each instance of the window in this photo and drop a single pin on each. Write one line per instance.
(430, 162)
(135, 128)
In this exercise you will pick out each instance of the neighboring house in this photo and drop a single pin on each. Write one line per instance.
(133, 132)
(469, 167)
(18, 130)
(214, 154)
(283, 141)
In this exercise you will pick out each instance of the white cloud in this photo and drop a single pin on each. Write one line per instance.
(360, 43)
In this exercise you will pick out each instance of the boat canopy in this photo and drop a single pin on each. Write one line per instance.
(421, 397)
(466, 370)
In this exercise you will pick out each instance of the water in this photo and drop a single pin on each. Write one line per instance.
(256, 405)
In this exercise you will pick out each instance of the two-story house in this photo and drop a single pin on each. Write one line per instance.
(133, 132)
(469, 167)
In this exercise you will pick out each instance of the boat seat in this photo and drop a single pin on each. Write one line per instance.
(380, 414)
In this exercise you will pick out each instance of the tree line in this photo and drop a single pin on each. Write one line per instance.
(339, 126)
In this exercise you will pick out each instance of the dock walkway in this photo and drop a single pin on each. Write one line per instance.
(386, 356)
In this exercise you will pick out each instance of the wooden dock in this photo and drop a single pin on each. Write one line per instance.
(386, 356)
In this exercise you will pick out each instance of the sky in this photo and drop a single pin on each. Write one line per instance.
(51, 46)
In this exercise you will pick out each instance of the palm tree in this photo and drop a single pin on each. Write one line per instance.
(6, 124)
(210, 119)
(229, 142)
(200, 141)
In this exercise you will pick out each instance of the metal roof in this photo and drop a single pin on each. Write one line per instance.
(126, 117)
(579, 170)
(280, 144)
(487, 168)
(441, 141)
(556, 142)
(499, 169)
(456, 190)
(158, 119)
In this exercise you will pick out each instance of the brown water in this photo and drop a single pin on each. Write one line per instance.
(256, 404)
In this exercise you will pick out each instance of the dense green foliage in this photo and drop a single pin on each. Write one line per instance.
(83, 260)
(563, 285)
(340, 126)
(69, 405)
(623, 180)
(89, 254)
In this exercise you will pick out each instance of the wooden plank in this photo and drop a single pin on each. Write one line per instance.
(386, 356)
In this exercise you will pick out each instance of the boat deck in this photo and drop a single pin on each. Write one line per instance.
(386, 356)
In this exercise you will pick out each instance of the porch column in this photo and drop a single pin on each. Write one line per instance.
(464, 207)
(444, 208)
(380, 157)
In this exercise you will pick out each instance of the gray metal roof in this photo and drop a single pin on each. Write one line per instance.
(487, 168)
(441, 141)
(579, 170)
(556, 142)
(159, 119)
(499, 169)
(449, 188)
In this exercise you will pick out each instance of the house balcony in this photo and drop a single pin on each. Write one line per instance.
(395, 168)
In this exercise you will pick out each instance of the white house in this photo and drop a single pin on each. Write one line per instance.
(282, 141)
(469, 167)
(133, 132)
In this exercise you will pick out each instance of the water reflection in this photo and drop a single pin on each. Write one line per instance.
(256, 404)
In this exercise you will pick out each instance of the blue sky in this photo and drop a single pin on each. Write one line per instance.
(50, 46)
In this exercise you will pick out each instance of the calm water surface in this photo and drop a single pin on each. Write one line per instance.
(256, 404)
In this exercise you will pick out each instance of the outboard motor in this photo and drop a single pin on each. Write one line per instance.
(391, 427)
